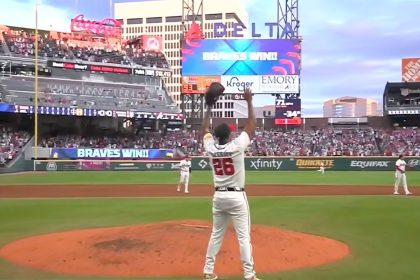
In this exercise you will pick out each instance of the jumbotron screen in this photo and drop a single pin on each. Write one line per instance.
(267, 66)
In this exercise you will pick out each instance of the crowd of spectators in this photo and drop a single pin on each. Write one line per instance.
(11, 142)
(21, 42)
(294, 142)
(187, 141)
(401, 141)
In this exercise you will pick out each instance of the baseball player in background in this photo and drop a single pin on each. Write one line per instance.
(185, 170)
(400, 175)
(322, 168)
(226, 156)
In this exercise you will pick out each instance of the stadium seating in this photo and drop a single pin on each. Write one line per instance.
(95, 95)
(11, 142)
(296, 142)
(21, 43)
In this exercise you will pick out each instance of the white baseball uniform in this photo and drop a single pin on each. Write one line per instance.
(229, 200)
(400, 176)
(322, 168)
(184, 167)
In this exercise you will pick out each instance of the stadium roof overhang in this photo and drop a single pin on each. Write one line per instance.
(395, 89)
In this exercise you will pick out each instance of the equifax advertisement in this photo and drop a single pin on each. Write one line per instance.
(233, 57)
(97, 153)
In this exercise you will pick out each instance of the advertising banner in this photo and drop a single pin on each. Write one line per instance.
(197, 84)
(152, 43)
(313, 163)
(96, 153)
(261, 83)
(410, 69)
(87, 112)
(109, 69)
(251, 163)
(105, 166)
(233, 57)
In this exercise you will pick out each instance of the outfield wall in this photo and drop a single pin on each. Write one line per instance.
(251, 163)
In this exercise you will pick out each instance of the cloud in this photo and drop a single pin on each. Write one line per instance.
(23, 15)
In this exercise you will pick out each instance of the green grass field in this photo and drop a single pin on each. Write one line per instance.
(360, 178)
(382, 231)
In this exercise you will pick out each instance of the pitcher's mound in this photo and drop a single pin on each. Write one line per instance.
(175, 248)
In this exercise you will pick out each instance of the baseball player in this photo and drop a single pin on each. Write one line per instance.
(185, 170)
(322, 168)
(400, 175)
(226, 156)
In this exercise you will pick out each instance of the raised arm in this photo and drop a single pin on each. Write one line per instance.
(251, 122)
(205, 126)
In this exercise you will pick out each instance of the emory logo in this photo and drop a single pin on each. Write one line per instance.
(364, 164)
(241, 86)
(265, 163)
(279, 83)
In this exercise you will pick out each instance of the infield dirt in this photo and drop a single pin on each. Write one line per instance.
(169, 249)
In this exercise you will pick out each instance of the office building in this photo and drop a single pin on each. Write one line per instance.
(350, 107)
(164, 18)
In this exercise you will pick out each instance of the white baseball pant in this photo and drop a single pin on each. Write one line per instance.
(231, 205)
(184, 179)
(400, 178)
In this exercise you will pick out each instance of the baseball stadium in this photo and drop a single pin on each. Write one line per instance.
(96, 125)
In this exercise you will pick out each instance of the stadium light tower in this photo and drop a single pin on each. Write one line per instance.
(288, 24)
(192, 17)
(288, 19)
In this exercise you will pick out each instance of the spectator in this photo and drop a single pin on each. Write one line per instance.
(11, 143)
(296, 142)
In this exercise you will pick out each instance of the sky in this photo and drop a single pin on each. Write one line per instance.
(349, 48)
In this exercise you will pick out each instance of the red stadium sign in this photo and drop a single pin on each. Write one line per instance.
(410, 69)
(107, 27)
(152, 43)
(292, 121)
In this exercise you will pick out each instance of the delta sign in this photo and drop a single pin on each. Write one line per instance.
(220, 30)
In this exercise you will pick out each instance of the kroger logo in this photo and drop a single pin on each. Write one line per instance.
(237, 84)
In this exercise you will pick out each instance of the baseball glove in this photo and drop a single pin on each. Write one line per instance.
(213, 92)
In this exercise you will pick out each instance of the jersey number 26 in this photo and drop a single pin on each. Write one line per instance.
(223, 166)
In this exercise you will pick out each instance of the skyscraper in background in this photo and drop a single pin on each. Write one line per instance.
(164, 18)
(351, 107)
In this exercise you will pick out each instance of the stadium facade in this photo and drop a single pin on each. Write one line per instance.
(163, 18)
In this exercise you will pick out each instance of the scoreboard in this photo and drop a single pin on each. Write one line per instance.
(197, 84)
(288, 111)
